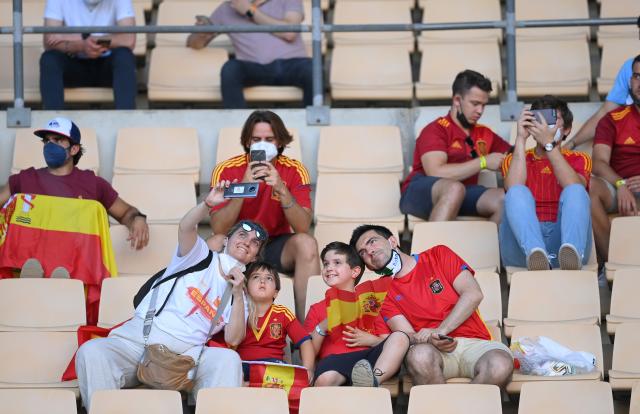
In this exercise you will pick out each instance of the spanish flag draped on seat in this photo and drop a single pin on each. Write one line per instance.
(58, 231)
(291, 378)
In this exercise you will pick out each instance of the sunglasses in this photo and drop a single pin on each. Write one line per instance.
(469, 142)
(261, 234)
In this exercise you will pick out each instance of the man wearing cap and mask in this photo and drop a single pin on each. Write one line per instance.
(282, 206)
(546, 220)
(61, 178)
(88, 59)
(433, 297)
(450, 153)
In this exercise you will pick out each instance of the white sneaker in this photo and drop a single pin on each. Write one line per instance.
(537, 260)
(569, 258)
(362, 375)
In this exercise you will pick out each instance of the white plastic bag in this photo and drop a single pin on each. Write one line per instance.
(540, 355)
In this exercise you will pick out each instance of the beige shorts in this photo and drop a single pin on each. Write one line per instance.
(614, 196)
(462, 361)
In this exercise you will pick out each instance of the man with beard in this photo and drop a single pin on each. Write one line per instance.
(450, 153)
(616, 168)
(433, 297)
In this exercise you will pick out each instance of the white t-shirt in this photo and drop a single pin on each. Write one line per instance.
(77, 13)
(188, 313)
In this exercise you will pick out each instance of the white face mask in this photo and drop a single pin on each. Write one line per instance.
(270, 149)
(393, 266)
(228, 262)
(558, 136)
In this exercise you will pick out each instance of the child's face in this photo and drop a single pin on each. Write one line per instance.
(336, 272)
(262, 286)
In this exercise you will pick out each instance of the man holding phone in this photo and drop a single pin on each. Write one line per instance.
(546, 221)
(88, 60)
(282, 204)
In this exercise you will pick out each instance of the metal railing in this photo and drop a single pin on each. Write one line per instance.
(318, 113)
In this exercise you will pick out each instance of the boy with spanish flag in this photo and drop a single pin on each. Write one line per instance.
(354, 344)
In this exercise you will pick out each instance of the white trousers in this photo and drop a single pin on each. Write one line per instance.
(111, 363)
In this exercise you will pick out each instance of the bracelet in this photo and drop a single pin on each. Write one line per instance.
(620, 182)
(139, 214)
(288, 206)
(319, 331)
(483, 162)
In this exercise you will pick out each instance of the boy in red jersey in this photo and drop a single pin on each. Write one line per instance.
(351, 356)
(433, 297)
(546, 221)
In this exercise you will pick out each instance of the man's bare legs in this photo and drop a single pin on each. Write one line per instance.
(300, 254)
(447, 196)
(601, 202)
(393, 352)
(425, 365)
(490, 204)
(494, 367)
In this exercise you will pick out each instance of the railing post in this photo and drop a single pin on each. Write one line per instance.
(510, 110)
(18, 116)
(318, 113)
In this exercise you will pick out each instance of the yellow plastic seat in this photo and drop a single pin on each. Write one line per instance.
(37, 401)
(625, 366)
(163, 242)
(116, 299)
(242, 400)
(623, 239)
(136, 401)
(567, 397)
(440, 11)
(455, 399)
(624, 307)
(345, 400)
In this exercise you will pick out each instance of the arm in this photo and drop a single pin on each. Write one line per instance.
(222, 219)
(200, 40)
(188, 227)
(235, 330)
(435, 164)
(588, 129)
(308, 356)
(626, 200)
(299, 217)
(129, 216)
(261, 18)
(124, 39)
(469, 298)
(316, 338)
(517, 173)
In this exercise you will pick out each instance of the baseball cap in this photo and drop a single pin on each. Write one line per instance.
(61, 126)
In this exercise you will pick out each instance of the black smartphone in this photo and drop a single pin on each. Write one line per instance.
(445, 337)
(549, 115)
(104, 41)
(258, 155)
(242, 190)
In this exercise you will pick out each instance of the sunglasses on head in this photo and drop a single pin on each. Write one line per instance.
(260, 233)
(469, 142)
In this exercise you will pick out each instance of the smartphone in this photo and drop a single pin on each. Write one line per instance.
(104, 41)
(445, 337)
(549, 115)
(258, 155)
(242, 190)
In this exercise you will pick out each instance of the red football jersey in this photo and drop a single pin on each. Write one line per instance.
(445, 135)
(265, 209)
(426, 295)
(543, 183)
(620, 129)
(269, 338)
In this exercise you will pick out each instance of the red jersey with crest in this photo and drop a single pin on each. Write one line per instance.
(426, 295)
(543, 183)
(445, 135)
(265, 209)
(268, 339)
(620, 130)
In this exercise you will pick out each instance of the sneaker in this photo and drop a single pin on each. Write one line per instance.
(537, 260)
(362, 375)
(60, 273)
(32, 269)
(569, 258)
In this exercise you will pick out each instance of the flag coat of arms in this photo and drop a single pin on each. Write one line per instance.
(291, 378)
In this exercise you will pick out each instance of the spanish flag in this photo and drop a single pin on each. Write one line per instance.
(291, 378)
(85, 333)
(58, 231)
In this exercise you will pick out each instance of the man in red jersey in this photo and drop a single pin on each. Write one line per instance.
(283, 204)
(450, 153)
(616, 165)
(546, 220)
(434, 298)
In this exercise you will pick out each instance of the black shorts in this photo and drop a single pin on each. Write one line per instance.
(343, 363)
(273, 251)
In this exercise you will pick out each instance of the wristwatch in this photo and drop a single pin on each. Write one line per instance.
(549, 146)
(139, 214)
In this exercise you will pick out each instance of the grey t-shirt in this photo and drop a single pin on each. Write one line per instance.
(261, 48)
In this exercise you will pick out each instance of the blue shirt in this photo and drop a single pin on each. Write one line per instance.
(619, 93)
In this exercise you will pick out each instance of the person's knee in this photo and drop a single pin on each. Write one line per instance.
(328, 379)
(577, 193)
(231, 71)
(452, 190)
(497, 367)
(50, 60)
(422, 357)
(123, 56)
(398, 339)
(306, 246)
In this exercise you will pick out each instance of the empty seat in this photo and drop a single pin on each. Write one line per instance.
(624, 295)
(440, 11)
(360, 149)
(623, 241)
(164, 198)
(634, 408)
(455, 399)
(242, 400)
(577, 337)
(618, 8)
(163, 241)
(568, 397)
(345, 400)
(316, 289)
(116, 299)
(478, 247)
(229, 144)
(325, 233)
(136, 401)
(42, 304)
(27, 151)
(285, 296)
(573, 299)
(37, 401)
(615, 51)
(273, 93)
(550, 10)
(88, 94)
(491, 306)
(625, 366)
(166, 151)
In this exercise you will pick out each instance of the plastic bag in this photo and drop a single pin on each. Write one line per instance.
(543, 356)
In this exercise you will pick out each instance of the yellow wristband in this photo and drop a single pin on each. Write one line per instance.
(620, 182)
(483, 162)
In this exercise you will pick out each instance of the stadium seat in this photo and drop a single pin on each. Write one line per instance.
(149, 193)
(455, 399)
(325, 233)
(27, 151)
(136, 401)
(634, 407)
(166, 151)
(285, 296)
(344, 400)
(141, 38)
(623, 241)
(306, 36)
(273, 94)
(491, 306)
(242, 400)
(573, 299)
(42, 304)
(371, 73)
(625, 366)
(315, 291)
(88, 95)
(376, 195)
(229, 144)
(618, 8)
(37, 401)
(549, 10)
(440, 11)
(362, 149)
(568, 397)
(615, 51)
(577, 337)
(116, 299)
(478, 247)
(624, 295)
(163, 242)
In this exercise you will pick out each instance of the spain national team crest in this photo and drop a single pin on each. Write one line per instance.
(275, 330)
(436, 286)
(482, 147)
(371, 304)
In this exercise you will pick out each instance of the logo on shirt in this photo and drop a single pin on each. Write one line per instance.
(482, 147)
(436, 286)
(629, 141)
(456, 145)
(275, 330)
(546, 170)
(443, 122)
(200, 303)
(371, 304)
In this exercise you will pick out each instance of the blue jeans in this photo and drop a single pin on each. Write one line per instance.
(236, 74)
(520, 231)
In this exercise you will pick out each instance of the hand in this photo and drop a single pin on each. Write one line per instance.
(524, 123)
(442, 345)
(92, 49)
(138, 233)
(310, 375)
(216, 195)
(256, 170)
(272, 178)
(240, 6)
(357, 337)
(423, 335)
(541, 131)
(494, 160)
(203, 21)
(626, 201)
(236, 278)
(633, 183)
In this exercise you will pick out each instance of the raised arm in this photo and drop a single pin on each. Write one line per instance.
(516, 173)
(188, 227)
(235, 330)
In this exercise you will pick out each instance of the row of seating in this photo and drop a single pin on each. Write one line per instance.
(570, 397)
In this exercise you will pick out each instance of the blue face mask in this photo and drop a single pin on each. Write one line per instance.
(54, 155)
